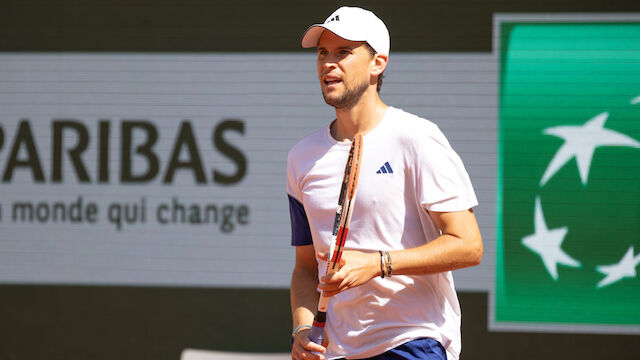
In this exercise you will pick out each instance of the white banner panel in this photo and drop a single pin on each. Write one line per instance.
(169, 169)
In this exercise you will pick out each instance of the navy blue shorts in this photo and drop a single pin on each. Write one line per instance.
(419, 349)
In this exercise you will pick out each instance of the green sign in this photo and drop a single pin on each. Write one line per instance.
(568, 245)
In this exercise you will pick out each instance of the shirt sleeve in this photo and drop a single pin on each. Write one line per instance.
(300, 230)
(442, 183)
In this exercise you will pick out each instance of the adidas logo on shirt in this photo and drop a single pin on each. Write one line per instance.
(385, 169)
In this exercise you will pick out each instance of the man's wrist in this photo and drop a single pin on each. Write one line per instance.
(382, 266)
(297, 330)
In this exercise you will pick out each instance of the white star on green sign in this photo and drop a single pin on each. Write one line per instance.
(626, 267)
(546, 243)
(581, 142)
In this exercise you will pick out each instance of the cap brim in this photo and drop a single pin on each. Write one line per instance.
(311, 37)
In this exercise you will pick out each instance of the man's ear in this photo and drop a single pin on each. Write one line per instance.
(380, 64)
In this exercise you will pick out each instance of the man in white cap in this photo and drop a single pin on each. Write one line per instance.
(393, 295)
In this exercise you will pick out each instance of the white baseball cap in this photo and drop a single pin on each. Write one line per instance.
(354, 24)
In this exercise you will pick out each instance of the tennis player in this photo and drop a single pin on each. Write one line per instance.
(393, 296)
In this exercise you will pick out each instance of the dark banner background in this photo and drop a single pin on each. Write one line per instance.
(255, 25)
(100, 322)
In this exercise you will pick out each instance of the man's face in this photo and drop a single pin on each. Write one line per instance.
(343, 69)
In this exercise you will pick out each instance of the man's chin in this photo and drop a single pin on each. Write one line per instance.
(331, 94)
(333, 100)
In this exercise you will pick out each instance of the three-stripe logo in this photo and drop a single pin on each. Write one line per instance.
(385, 169)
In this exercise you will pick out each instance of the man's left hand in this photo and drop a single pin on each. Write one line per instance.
(354, 269)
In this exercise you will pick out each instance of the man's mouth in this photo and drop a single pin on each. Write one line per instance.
(331, 81)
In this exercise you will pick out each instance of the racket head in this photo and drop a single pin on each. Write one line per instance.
(352, 172)
(344, 190)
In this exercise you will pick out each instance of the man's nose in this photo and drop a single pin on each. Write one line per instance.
(329, 64)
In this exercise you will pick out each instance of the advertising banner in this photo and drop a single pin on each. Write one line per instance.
(569, 163)
(170, 169)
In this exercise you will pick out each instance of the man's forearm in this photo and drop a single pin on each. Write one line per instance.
(445, 253)
(304, 297)
(459, 246)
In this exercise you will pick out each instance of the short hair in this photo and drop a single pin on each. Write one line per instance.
(372, 52)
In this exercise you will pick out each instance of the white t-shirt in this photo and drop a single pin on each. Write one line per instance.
(408, 167)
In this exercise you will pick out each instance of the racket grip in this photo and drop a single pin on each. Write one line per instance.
(317, 330)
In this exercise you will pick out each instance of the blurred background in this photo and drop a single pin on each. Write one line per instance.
(143, 164)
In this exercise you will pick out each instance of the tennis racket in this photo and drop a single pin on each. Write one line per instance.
(346, 201)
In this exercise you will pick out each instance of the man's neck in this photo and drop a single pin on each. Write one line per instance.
(360, 118)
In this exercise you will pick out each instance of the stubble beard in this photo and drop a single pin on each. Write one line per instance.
(348, 98)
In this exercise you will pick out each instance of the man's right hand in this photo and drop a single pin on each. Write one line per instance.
(305, 349)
